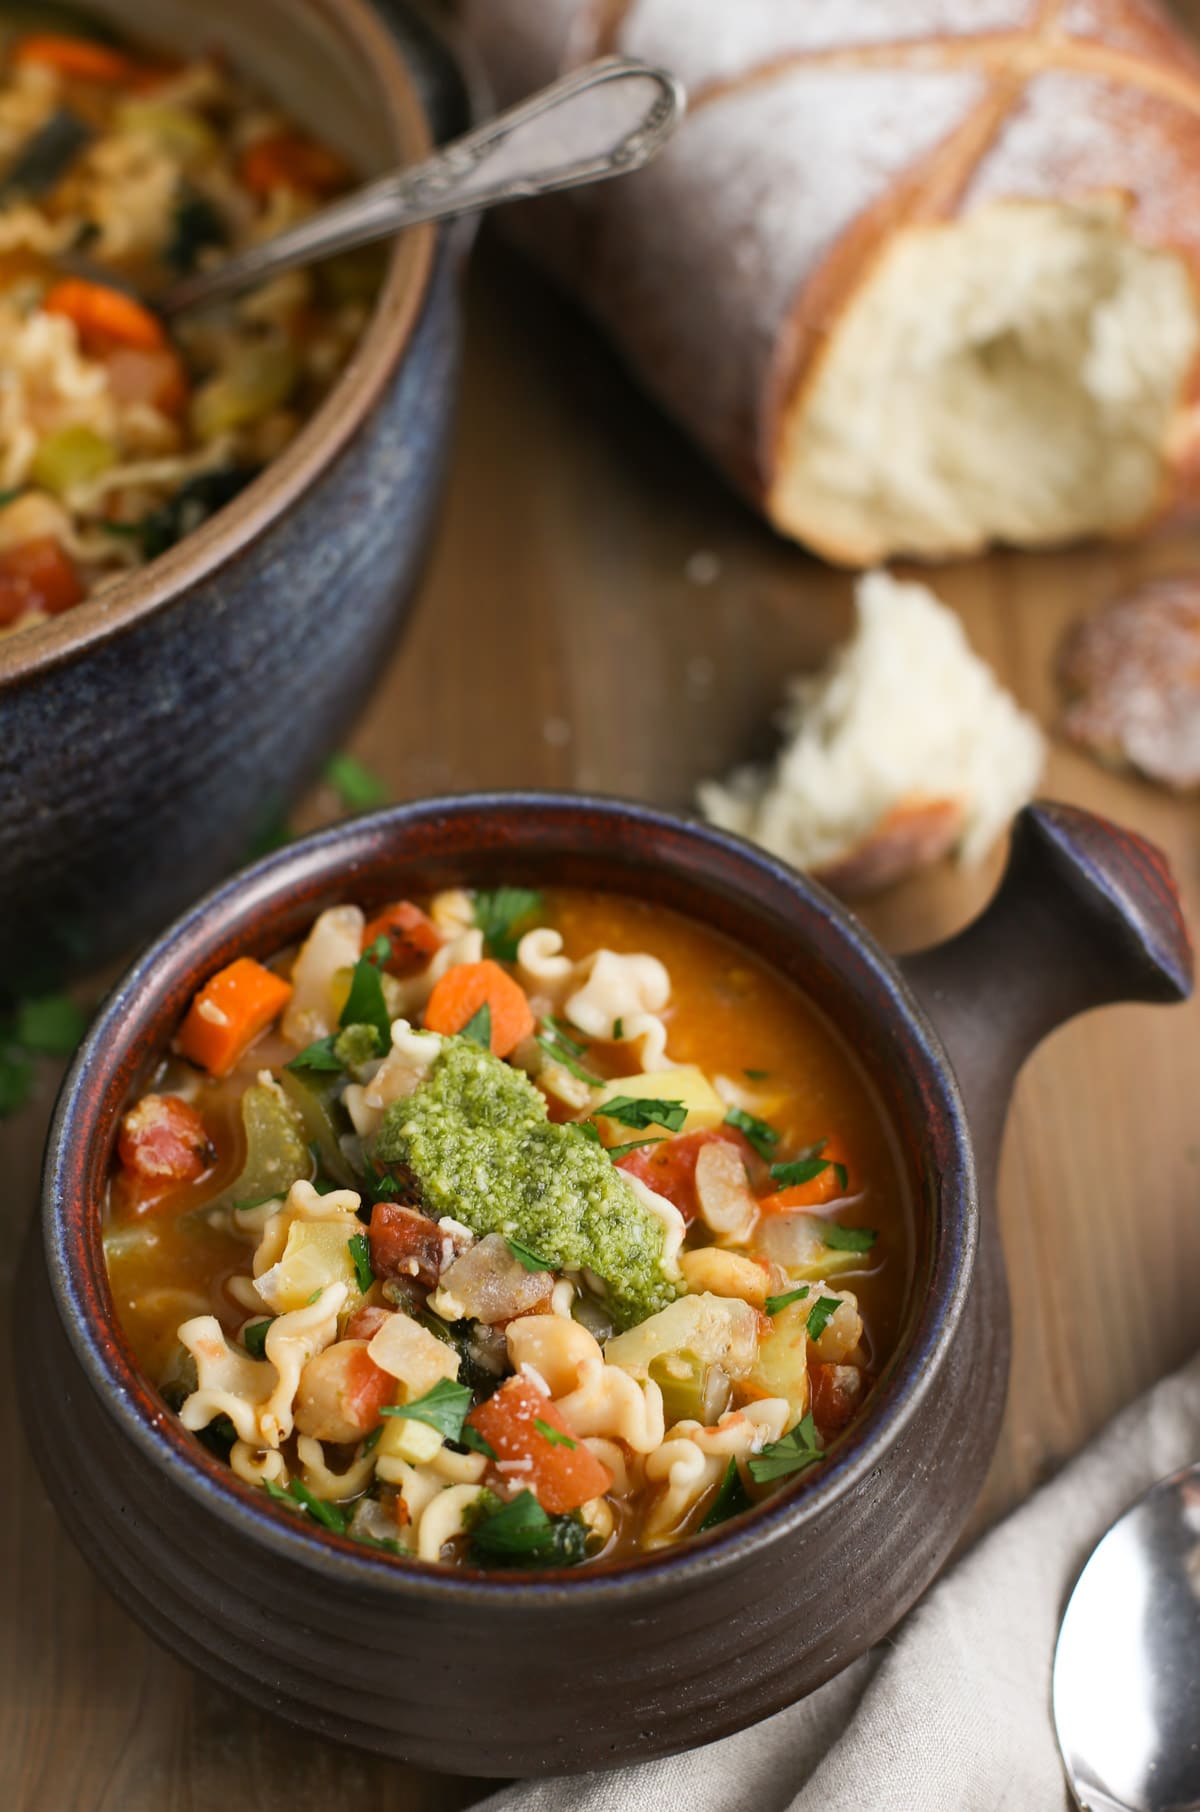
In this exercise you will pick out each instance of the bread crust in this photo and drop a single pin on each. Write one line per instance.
(816, 132)
(913, 835)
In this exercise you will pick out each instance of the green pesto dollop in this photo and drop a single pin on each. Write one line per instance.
(477, 1137)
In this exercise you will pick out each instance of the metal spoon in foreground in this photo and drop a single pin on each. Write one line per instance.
(1127, 1666)
(603, 120)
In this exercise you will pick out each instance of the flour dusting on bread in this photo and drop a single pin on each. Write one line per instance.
(903, 747)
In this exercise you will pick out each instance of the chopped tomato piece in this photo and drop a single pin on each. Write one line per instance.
(163, 1139)
(229, 1012)
(836, 1394)
(148, 374)
(469, 987)
(563, 1473)
(79, 59)
(366, 1321)
(413, 936)
(37, 575)
(104, 317)
(341, 1393)
(405, 1243)
(288, 160)
(669, 1168)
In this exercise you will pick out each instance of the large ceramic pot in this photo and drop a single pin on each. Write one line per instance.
(528, 1674)
(148, 737)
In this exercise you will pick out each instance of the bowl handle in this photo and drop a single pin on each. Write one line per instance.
(1086, 913)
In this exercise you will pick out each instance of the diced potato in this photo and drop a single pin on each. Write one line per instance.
(404, 1439)
(712, 1330)
(781, 1369)
(317, 1253)
(795, 1242)
(725, 1274)
(414, 1355)
(687, 1084)
(842, 1332)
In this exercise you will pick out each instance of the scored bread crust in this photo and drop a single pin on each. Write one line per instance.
(817, 132)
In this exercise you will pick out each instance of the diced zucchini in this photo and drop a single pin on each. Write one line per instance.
(781, 1369)
(311, 1094)
(687, 1084)
(405, 1439)
(711, 1330)
(69, 457)
(691, 1390)
(276, 1152)
(178, 130)
(317, 1254)
(795, 1242)
(259, 379)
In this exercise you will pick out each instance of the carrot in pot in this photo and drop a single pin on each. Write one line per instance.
(826, 1186)
(229, 1012)
(288, 160)
(37, 575)
(105, 317)
(519, 1422)
(412, 934)
(79, 59)
(469, 987)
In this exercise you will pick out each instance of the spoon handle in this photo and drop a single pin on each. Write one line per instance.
(602, 120)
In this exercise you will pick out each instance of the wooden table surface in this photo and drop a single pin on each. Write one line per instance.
(568, 635)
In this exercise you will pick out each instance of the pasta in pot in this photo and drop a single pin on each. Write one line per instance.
(460, 1314)
(117, 438)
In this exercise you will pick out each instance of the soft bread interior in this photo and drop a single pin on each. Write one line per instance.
(1009, 377)
(905, 713)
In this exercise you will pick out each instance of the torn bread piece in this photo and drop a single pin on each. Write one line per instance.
(903, 748)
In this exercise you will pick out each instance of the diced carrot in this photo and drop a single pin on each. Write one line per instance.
(80, 59)
(229, 1012)
(413, 936)
(563, 1473)
(463, 990)
(405, 1243)
(288, 160)
(148, 374)
(826, 1186)
(105, 317)
(669, 1168)
(163, 1139)
(37, 575)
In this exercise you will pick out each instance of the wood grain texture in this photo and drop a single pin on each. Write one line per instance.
(569, 635)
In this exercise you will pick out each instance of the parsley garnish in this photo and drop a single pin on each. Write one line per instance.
(808, 1164)
(372, 1440)
(764, 1138)
(471, 1437)
(498, 915)
(532, 1261)
(376, 1541)
(555, 1436)
(355, 785)
(641, 1111)
(365, 1003)
(730, 1500)
(848, 1239)
(618, 1030)
(360, 1252)
(479, 1027)
(442, 1408)
(566, 1051)
(53, 1024)
(328, 1515)
(757, 1075)
(820, 1315)
(316, 1056)
(797, 1451)
(521, 1533)
(254, 1337)
(623, 1151)
(774, 1304)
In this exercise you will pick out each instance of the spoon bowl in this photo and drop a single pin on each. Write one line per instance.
(1127, 1665)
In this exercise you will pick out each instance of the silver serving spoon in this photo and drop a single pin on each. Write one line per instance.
(603, 120)
(1127, 1665)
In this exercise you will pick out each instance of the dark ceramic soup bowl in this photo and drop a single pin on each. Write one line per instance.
(527, 1674)
(150, 735)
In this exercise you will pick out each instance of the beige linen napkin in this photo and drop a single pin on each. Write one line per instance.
(953, 1713)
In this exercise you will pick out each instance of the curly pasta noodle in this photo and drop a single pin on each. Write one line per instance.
(335, 942)
(693, 1459)
(402, 1070)
(257, 1394)
(594, 1397)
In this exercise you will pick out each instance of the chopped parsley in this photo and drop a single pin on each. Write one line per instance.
(764, 1138)
(797, 1451)
(365, 1003)
(807, 1165)
(532, 1261)
(372, 1440)
(821, 1314)
(360, 1252)
(442, 1408)
(254, 1337)
(565, 1050)
(479, 1027)
(774, 1304)
(618, 1030)
(328, 1515)
(623, 1151)
(757, 1075)
(641, 1111)
(471, 1437)
(521, 1534)
(500, 914)
(730, 1500)
(316, 1056)
(355, 785)
(848, 1239)
(555, 1436)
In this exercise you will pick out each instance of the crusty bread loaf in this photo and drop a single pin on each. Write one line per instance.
(920, 275)
(903, 748)
(1131, 675)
